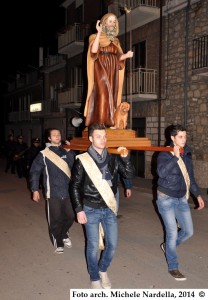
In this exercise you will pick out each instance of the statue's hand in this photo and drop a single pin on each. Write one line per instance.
(130, 54)
(99, 26)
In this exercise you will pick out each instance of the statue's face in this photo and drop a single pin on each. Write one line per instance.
(111, 22)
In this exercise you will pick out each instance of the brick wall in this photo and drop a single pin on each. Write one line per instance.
(182, 105)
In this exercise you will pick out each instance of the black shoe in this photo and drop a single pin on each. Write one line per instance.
(177, 275)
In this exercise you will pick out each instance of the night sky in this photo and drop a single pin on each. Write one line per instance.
(26, 25)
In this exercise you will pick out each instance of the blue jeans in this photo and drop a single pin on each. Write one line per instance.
(117, 196)
(173, 211)
(108, 219)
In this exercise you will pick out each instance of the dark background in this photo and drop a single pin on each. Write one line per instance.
(25, 26)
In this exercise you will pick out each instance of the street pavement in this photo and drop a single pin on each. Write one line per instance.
(29, 269)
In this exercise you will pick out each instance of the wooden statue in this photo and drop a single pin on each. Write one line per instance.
(105, 71)
(121, 116)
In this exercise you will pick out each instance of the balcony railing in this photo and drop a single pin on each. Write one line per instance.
(117, 7)
(200, 52)
(52, 60)
(142, 12)
(48, 107)
(70, 96)
(143, 81)
(19, 116)
(75, 33)
(135, 3)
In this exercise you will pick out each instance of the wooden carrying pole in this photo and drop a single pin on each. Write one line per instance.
(142, 148)
(114, 150)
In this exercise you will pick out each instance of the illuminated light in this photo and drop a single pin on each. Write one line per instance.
(35, 107)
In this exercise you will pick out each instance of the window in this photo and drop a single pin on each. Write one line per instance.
(139, 58)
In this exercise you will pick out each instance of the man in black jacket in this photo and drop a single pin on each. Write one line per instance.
(9, 149)
(176, 178)
(20, 156)
(93, 188)
(55, 163)
(33, 152)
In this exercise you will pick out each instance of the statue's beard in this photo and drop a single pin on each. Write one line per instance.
(110, 32)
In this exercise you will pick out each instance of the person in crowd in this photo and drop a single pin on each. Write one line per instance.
(105, 71)
(33, 151)
(20, 156)
(176, 179)
(55, 163)
(93, 188)
(9, 150)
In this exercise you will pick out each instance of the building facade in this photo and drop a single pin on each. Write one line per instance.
(24, 90)
(166, 82)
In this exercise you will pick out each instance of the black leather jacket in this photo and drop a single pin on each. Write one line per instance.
(83, 190)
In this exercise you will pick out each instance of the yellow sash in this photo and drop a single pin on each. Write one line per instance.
(184, 171)
(57, 160)
(101, 185)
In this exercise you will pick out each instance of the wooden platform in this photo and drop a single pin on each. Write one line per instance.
(117, 138)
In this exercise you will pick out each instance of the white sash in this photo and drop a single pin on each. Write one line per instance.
(184, 171)
(57, 160)
(101, 185)
(96, 176)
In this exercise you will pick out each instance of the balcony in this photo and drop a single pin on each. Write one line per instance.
(54, 62)
(143, 89)
(49, 108)
(173, 6)
(19, 116)
(72, 41)
(140, 85)
(200, 56)
(71, 97)
(141, 12)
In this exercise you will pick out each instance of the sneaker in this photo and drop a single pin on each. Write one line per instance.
(96, 284)
(67, 243)
(177, 275)
(162, 246)
(105, 281)
(59, 250)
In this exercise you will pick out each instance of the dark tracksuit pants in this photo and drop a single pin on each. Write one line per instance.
(60, 218)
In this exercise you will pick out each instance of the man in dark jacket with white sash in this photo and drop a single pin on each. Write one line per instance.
(93, 188)
(176, 180)
(55, 163)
